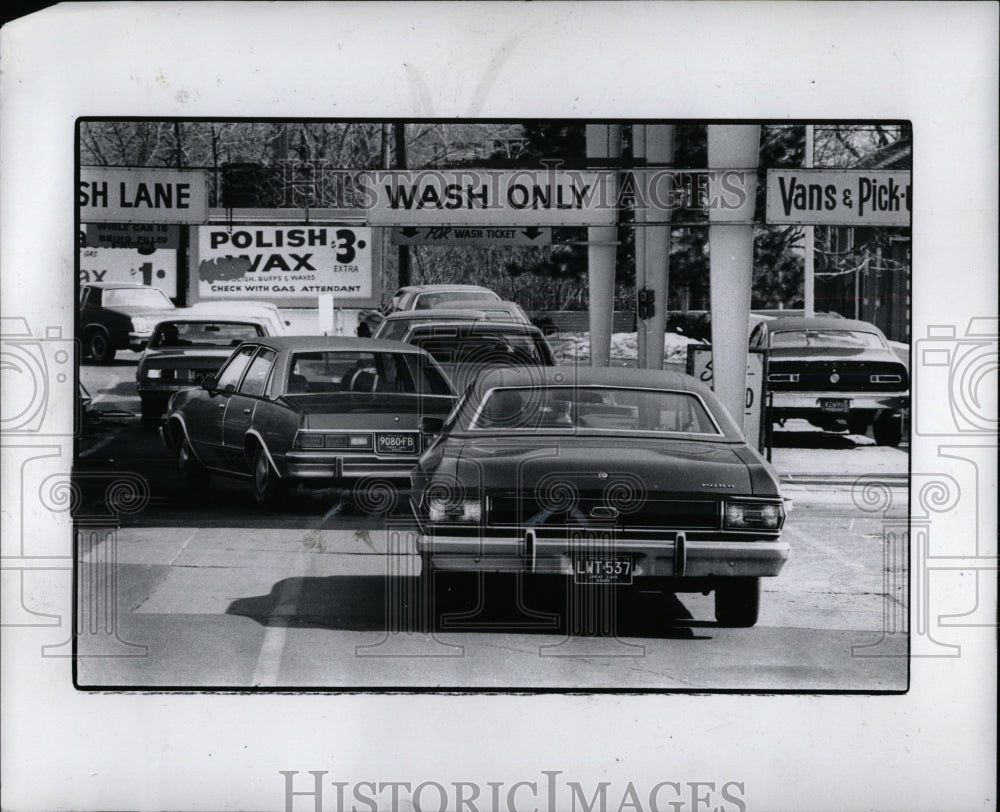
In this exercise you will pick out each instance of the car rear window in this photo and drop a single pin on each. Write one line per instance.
(136, 297)
(364, 372)
(453, 346)
(826, 338)
(428, 300)
(603, 409)
(177, 334)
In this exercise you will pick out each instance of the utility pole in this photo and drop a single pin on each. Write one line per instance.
(399, 131)
(808, 281)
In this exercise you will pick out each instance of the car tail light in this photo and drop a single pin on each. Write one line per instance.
(753, 516)
(323, 439)
(783, 377)
(886, 379)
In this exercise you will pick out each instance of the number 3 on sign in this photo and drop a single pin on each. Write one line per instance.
(347, 245)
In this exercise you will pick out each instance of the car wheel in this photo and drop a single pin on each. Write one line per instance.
(737, 602)
(192, 475)
(99, 347)
(267, 485)
(888, 429)
(151, 414)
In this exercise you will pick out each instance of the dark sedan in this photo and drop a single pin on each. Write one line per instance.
(836, 373)
(182, 352)
(465, 349)
(312, 410)
(112, 317)
(611, 477)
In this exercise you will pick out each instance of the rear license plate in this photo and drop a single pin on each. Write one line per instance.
(396, 444)
(615, 570)
(834, 404)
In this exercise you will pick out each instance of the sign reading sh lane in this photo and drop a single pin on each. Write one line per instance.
(121, 195)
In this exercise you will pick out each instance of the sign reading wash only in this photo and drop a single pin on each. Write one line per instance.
(288, 264)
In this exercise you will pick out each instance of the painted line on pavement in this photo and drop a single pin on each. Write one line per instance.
(268, 666)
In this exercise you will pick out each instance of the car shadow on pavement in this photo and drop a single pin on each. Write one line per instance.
(818, 439)
(370, 603)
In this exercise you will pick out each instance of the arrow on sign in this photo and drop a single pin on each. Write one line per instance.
(410, 232)
(532, 232)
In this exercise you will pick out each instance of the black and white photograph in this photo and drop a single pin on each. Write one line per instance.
(448, 396)
(499, 406)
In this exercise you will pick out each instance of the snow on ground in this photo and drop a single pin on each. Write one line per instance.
(624, 346)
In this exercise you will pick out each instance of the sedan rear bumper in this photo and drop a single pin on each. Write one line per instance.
(325, 466)
(674, 556)
(811, 401)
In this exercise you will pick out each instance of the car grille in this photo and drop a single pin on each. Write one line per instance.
(595, 508)
(792, 376)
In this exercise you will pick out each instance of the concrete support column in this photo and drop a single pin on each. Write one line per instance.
(731, 260)
(603, 141)
(659, 144)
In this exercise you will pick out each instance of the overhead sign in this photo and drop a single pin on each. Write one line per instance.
(121, 195)
(487, 197)
(699, 364)
(129, 265)
(284, 263)
(838, 197)
(146, 237)
(472, 235)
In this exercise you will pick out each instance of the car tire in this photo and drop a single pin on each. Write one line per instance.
(737, 602)
(151, 414)
(191, 474)
(99, 347)
(888, 430)
(268, 488)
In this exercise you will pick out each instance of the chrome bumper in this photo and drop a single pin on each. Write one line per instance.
(673, 556)
(298, 465)
(856, 400)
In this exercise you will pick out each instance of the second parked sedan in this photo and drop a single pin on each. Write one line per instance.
(307, 409)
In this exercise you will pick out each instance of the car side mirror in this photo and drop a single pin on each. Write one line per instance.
(431, 425)
(210, 384)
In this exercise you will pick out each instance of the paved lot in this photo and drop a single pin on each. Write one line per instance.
(320, 595)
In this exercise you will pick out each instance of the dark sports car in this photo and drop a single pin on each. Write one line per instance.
(610, 476)
(836, 373)
(307, 409)
(423, 297)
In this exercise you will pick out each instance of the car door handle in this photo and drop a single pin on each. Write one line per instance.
(247, 411)
(222, 405)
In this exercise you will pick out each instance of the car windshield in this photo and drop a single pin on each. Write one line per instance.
(453, 346)
(365, 372)
(136, 297)
(826, 338)
(602, 408)
(173, 334)
(429, 300)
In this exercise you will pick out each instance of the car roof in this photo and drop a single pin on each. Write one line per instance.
(209, 318)
(590, 376)
(438, 314)
(443, 287)
(820, 323)
(332, 343)
(479, 326)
